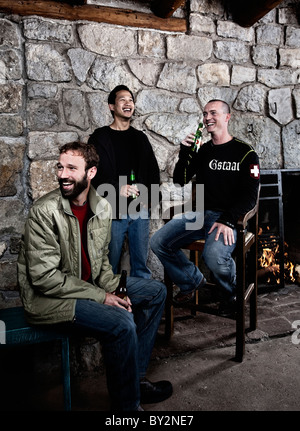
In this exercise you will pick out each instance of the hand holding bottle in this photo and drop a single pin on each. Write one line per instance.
(112, 299)
(129, 190)
(194, 140)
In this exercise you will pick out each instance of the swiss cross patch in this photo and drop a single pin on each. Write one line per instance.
(254, 171)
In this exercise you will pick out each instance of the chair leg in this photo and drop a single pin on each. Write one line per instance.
(240, 300)
(65, 361)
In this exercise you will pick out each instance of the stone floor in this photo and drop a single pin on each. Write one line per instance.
(199, 361)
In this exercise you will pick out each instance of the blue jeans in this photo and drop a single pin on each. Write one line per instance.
(137, 228)
(167, 242)
(127, 339)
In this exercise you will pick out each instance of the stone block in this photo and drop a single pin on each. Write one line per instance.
(178, 78)
(242, 74)
(291, 144)
(8, 275)
(11, 125)
(12, 217)
(280, 105)
(81, 61)
(99, 112)
(269, 34)
(108, 40)
(278, 78)
(75, 110)
(10, 35)
(234, 52)
(151, 44)
(149, 101)
(45, 145)
(263, 134)
(251, 98)
(43, 177)
(189, 48)
(214, 74)
(290, 57)
(41, 90)
(45, 63)
(264, 56)
(11, 164)
(145, 70)
(174, 127)
(201, 24)
(48, 30)
(11, 65)
(42, 115)
(228, 29)
(105, 75)
(205, 94)
(10, 98)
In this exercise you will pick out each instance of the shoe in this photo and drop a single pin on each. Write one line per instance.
(228, 308)
(184, 298)
(155, 392)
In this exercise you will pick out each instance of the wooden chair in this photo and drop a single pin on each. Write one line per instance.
(246, 280)
(14, 330)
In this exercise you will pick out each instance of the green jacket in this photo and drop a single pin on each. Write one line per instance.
(49, 263)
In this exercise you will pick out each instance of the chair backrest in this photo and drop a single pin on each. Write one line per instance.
(243, 220)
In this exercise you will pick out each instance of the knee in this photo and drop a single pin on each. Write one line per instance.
(125, 327)
(216, 263)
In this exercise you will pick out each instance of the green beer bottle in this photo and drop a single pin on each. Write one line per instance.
(132, 181)
(198, 136)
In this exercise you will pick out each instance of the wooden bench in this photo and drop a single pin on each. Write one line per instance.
(14, 330)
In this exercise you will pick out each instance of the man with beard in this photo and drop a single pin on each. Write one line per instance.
(65, 278)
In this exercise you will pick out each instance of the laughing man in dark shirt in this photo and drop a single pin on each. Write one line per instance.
(229, 170)
(121, 149)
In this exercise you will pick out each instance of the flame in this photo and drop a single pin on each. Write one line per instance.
(269, 261)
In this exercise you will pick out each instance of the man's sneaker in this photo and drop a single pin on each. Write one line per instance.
(185, 297)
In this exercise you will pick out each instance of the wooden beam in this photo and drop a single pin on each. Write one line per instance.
(248, 13)
(110, 15)
(165, 8)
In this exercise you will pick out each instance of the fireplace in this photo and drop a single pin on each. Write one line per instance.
(279, 227)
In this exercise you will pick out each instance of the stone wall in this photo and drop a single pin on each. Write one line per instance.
(55, 77)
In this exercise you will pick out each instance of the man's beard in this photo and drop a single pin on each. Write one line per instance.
(79, 187)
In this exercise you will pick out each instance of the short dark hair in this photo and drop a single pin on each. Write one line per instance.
(225, 105)
(87, 151)
(113, 94)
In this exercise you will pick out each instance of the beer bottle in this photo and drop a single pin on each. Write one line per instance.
(198, 136)
(121, 290)
(133, 183)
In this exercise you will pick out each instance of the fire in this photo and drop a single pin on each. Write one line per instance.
(269, 262)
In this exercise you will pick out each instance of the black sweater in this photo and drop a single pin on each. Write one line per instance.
(146, 167)
(229, 172)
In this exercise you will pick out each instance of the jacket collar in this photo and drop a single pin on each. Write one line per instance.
(96, 202)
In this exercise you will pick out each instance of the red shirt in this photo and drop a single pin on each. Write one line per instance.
(82, 213)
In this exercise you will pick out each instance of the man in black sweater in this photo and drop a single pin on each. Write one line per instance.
(229, 170)
(123, 149)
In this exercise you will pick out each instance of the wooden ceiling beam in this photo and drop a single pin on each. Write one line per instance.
(248, 13)
(165, 8)
(110, 15)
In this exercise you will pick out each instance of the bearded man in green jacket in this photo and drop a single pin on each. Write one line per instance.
(65, 277)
